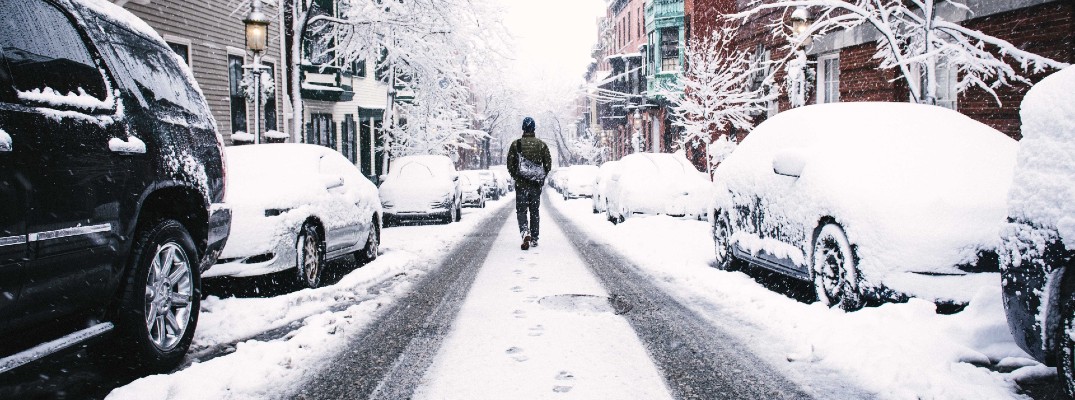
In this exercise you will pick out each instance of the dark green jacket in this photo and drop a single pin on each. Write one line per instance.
(533, 149)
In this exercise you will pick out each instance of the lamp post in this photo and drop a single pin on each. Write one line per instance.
(257, 37)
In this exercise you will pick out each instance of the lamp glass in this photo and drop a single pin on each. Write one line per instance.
(256, 35)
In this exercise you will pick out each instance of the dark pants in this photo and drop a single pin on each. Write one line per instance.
(527, 200)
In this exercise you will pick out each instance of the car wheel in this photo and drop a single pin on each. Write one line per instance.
(483, 203)
(311, 257)
(161, 299)
(458, 212)
(834, 271)
(722, 246)
(373, 244)
(1065, 354)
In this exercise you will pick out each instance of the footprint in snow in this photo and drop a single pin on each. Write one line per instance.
(563, 376)
(531, 299)
(537, 330)
(516, 354)
(516, 289)
(534, 279)
(518, 272)
(519, 313)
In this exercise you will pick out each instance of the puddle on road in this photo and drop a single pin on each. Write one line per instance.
(586, 303)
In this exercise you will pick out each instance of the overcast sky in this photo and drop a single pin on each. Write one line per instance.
(553, 37)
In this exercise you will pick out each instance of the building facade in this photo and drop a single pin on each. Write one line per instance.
(664, 62)
(210, 38)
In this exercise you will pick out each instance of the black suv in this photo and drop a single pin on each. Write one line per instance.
(111, 184)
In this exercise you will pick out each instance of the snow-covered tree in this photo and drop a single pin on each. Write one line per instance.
(723, 88)
(914, 38)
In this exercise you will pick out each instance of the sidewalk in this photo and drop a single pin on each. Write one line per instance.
(537, 324)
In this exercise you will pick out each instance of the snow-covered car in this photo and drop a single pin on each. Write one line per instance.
(865, 208)
(502, 182)
(296, 206)
(600, 193)
(579, 181)
(501, 171)
(555, 178)
(1039, 242)
(656, 183)
(473, 192)
(421, 187)
(489, 182)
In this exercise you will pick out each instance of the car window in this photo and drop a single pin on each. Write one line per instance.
(153, 69)
(46, 57)
(415, 171)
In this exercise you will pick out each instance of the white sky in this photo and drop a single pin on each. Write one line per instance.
(553, 38)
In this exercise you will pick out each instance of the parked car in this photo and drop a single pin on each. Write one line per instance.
(1039, 241)
(868, 211)
(470, 184)
(111, 185)
(502, 170)
(421, 187)
(579, 181)
(555, 178)
(656, 183)
(489, 182)
(600, 193)
(503, 182)
(297, 206)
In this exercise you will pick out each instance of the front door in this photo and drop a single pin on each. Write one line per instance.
(16, 151)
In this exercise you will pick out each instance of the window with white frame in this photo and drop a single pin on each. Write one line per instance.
(670, 49)
(946, 75)
(828, 78)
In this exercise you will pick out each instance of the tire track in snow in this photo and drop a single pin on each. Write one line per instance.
(698, 360)
(387, 360)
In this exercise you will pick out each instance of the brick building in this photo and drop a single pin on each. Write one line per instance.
(620, 80)
(843, 67)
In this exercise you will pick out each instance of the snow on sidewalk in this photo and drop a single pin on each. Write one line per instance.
(524, 332)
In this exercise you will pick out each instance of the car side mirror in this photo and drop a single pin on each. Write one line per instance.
(789, 163)
(332, 181)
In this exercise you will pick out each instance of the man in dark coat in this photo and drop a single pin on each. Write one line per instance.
(529, 162)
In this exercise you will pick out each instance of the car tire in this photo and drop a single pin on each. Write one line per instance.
(158, 310)
(1065, 352)
(722, 246)
(373, 244)
(834, 270)
(310, 257)
(458, 212)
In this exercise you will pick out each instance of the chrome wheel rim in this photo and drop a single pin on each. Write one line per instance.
(720, 238)
(830, 262)
(169, 295)
(374, 244)
(310, 256)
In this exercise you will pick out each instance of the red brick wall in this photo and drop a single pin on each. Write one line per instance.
(1047, 29)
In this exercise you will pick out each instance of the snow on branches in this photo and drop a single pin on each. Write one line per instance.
(917, 37)
(723, 89)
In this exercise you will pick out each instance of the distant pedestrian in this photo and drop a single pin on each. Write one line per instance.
(529, 162)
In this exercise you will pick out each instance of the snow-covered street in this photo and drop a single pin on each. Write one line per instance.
(572, 319)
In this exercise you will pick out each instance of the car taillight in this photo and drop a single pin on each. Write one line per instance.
(223, 168)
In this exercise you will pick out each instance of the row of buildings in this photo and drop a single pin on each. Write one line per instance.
(343, 104)
(641, 46)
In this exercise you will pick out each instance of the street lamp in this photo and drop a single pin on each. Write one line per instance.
(257, 37)
(800, 23)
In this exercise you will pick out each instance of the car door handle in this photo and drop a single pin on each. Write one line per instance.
(130, 146)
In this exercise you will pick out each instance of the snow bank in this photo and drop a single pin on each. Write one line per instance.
(1043, 191)
(896, 351)
(916, 188)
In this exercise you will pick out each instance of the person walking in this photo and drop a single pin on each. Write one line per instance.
(529, 162)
